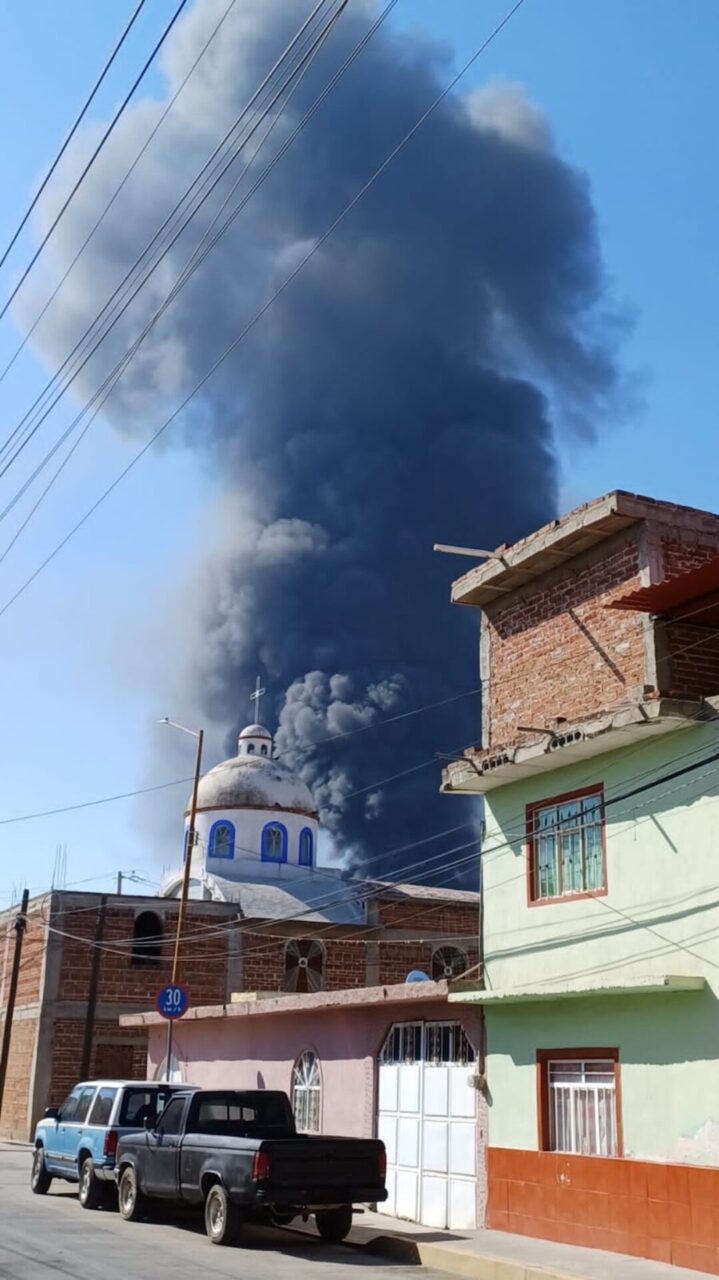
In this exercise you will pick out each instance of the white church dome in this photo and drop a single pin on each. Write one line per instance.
(253, 780)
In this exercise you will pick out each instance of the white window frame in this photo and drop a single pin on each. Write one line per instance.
(307, 1093)
(582, 1113)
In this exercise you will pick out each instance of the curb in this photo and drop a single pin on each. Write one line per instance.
(458, 1262)
(441, 1257)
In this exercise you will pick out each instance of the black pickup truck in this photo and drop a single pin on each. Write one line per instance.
(238, 1153)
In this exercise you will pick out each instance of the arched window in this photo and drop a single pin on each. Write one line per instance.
(307, 1093)
(147, 938)
(250, 748)
(448, 962)
(222, 840)
(274, 843)
(304, 962)
(306, 849)
(263, 751)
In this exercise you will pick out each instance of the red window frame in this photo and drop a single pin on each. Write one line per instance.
(546, 803)
(544, 1057)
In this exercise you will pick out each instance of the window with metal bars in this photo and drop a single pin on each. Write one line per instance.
(306, 1093)
(437, 1043)
(565, 839)
(580, 1106)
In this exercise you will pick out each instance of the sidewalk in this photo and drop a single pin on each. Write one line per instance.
(497, 1255)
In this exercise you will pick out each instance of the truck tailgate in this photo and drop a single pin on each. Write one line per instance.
(349, 1167)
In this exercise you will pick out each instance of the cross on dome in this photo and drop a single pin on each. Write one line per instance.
(256, 697)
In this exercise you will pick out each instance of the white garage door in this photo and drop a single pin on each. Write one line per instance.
(427, 1121)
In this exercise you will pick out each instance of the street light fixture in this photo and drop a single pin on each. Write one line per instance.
(199, 735)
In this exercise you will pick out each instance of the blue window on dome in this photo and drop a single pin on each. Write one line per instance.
(274, 842)
(222, 840)
(306, 847)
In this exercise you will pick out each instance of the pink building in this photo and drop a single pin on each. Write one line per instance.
(381, 1061)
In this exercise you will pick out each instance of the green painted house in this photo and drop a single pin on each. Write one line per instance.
(599, 769)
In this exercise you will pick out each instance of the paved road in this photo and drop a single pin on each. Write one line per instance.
(46, 1237)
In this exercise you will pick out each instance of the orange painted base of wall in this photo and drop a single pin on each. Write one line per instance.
(667, 1212)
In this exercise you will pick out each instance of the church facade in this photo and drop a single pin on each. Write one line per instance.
(263, 918)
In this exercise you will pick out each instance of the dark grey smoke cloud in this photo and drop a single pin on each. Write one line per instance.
(406, 388)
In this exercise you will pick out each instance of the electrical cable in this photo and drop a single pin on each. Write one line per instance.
(93, 158)
(102, 394)
(78, 121)
(196, 260)
(197, 182)
(265, 307)
(254, 928)
(98, 223)
(326, 900)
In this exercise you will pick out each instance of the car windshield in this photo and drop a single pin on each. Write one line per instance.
(142, 1105)
(244, 1116)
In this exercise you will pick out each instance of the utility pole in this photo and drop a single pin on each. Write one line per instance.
(20, 926)
(199, 734)
(119, 882)
(92, 990)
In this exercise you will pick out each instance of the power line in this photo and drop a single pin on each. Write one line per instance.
(266, 306)
(71, 134)
(379, 891)
(177, 782)
(326, 900)
(96, 225)
(107, 387)
(196, 259)
(93, 157)
(200, 179)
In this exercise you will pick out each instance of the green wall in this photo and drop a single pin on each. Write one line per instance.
(660, 915)
(669, 1058)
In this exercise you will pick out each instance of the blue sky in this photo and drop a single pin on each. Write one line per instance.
(629, 93)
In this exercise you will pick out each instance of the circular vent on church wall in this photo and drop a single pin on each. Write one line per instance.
(304, 961)
(448, 962)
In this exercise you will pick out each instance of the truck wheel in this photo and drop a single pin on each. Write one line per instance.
(223, 1220)
(334, 1224)
(130, 1200)
(91, 1190)
(39, 1178)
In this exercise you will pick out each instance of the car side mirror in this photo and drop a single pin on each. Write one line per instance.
(148, 1124)
(51, 1113)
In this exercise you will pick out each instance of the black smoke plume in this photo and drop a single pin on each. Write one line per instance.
(405, 389)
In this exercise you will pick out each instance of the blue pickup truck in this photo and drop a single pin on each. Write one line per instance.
(78, 1141)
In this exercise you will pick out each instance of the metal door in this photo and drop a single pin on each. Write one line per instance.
(428, 1123)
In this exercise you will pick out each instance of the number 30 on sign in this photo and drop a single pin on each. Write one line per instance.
(172, 1001)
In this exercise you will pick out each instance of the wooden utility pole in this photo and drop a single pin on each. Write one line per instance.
(20, 926)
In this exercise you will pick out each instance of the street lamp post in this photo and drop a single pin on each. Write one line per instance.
(199, 734)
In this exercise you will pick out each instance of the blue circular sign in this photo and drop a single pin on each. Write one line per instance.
(416, 975)
(172, 1001)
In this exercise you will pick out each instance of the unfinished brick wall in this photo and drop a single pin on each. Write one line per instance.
(124, 977)
(263, 963)
(117, 1053)
(554, 650)
(16, 1100)
(692, 663)
(397, 959)
(345, 965)
(14, 1117)
(440, 918)
(681, 556)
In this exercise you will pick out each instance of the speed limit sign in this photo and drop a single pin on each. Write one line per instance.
(172, 1001)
